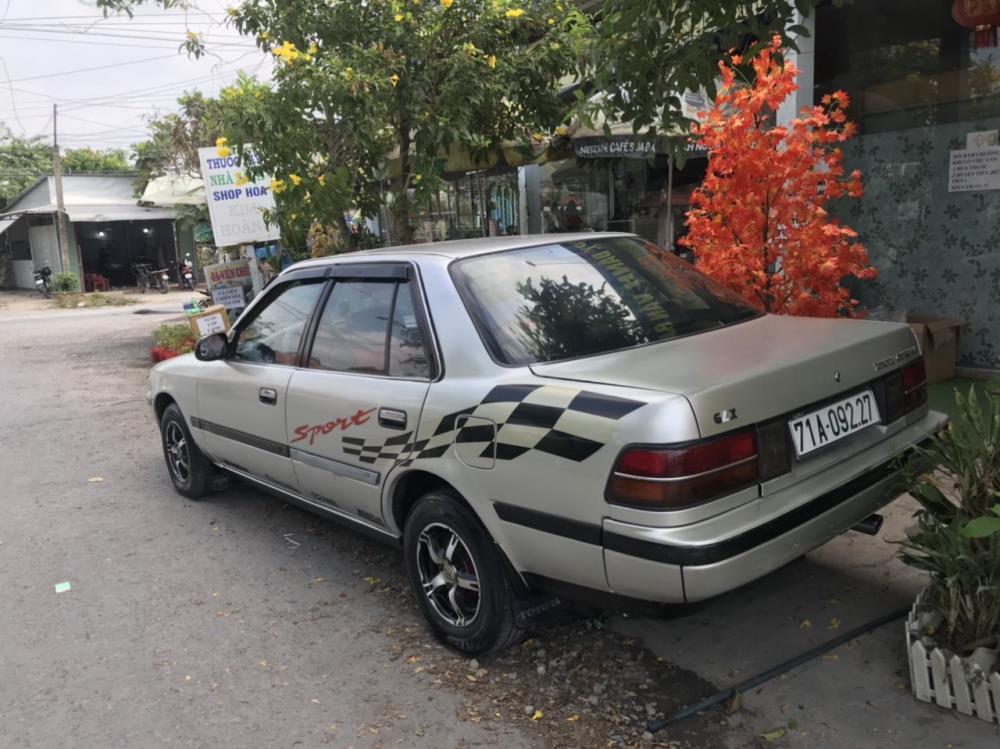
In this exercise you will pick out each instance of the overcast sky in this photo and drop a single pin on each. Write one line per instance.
(108, 74)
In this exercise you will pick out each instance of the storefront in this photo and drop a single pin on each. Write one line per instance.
(925, 90)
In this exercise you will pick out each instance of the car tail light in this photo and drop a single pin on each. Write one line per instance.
(905, 390)
(667, 478)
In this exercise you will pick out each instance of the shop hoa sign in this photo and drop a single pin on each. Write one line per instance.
(236, 204)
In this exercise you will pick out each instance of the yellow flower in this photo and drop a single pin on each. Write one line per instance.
(552, 22)
(263, 36)
(398, 17)
(394, 79)
(469, 48)
(491, 61)
(278, 186)
(446, 3)
(223, 152)
(322, 180)
(231, 11)
(417, 177)
(348, 73)
(221, 141)
(286, 52)
(562, 131)
(514, 13)
(313, 49)
(192, 36)
(296, 179)
(241, 179)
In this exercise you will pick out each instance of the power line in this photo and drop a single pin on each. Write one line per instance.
(88, 70)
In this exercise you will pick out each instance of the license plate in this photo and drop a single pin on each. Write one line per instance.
(833, 422)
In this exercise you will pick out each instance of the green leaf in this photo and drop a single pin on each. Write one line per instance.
(981, 527)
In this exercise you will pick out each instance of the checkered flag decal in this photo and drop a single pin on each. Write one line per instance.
(511, 420)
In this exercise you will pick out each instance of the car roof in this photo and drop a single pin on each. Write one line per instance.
(459, 248)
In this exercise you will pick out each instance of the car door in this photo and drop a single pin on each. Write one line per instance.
(242, 398)
(354, 405)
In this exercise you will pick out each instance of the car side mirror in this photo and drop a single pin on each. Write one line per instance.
(212, 347)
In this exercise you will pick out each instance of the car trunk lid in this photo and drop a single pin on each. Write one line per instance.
(753, 371)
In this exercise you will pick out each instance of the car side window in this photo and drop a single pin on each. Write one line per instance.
(407, 355)
(274, 333)
(370, 327)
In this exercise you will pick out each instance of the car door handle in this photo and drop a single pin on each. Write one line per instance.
(390, 418)
(268, 396)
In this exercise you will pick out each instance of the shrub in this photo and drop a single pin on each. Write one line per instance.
(176, 338)
(65, 281)
(957, 541)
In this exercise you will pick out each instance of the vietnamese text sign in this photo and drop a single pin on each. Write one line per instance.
(974, 169)
(236, 273)
(236, 204)
(230, 297)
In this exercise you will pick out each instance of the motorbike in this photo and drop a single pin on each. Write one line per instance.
(42, 280)
(147, 278)
(185, 274)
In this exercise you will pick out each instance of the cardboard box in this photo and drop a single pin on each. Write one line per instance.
(938, 337)
(211, 320)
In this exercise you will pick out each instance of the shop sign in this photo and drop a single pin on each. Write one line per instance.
(618, 147)
(236, 204)
(974, 169)
(231, 284)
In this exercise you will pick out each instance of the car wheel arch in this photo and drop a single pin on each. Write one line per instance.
(160, 404)
(414, 484)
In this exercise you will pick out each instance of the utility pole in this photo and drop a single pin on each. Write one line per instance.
(60, 206)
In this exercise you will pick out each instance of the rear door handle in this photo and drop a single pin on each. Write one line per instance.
(268, 396)
(391, 418)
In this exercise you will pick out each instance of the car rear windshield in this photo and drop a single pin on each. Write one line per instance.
(562, 301)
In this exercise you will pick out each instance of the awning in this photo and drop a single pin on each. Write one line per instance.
(174, 189)
(109, 212)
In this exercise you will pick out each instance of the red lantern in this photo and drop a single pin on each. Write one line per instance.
(982, 16)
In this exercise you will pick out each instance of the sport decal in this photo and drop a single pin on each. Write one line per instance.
(344, 422)
(566, 422)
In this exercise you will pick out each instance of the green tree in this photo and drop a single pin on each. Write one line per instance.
(357, 82)
(95, 161)
(174, 138)
(22, 161)
(649, 52)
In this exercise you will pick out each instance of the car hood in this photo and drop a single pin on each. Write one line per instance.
(764, 367)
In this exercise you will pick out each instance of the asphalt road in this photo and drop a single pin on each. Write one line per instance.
(238, 621)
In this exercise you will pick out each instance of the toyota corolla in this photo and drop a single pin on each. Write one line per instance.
(565, 413)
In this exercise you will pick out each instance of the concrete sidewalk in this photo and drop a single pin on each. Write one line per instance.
(856, 696)
(28, 305)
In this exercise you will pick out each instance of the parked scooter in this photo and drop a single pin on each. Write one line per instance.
(146, 278)
(42, 280)
(185, 274)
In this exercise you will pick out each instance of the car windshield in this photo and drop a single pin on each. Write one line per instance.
(562, 301)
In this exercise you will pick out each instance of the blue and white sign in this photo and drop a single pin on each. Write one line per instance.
(236, 204)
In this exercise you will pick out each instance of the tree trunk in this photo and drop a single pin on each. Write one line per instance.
(400, 230)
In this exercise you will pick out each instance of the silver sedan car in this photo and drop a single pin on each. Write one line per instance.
(548, 415)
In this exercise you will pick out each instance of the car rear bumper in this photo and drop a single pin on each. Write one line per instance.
(717, 555)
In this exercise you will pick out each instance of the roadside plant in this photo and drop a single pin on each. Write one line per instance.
(65, 281)
(758, 221)
(957, 539)
(174, 338)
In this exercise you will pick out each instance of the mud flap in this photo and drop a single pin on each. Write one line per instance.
(537, 610)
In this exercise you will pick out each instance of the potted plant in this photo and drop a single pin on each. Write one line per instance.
(953, 630)
(170, 341)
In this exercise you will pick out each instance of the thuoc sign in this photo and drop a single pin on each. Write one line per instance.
(236, 204)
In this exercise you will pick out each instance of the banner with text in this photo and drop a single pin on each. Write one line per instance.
(236, 204)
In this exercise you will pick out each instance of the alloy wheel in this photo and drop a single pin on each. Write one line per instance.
(178, 458)
(448, 575)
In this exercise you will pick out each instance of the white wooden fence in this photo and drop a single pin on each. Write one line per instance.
(947, 681)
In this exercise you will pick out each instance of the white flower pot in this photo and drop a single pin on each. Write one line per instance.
(969, 685)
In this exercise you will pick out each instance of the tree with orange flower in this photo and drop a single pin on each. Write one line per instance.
(758, 222)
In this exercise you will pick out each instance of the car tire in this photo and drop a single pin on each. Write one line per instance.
(188, 467)
(447, 553)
